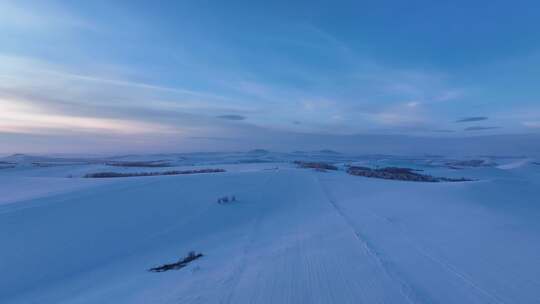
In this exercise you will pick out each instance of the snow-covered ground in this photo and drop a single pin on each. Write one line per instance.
(293, 235)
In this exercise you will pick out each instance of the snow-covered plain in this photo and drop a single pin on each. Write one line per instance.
(293, 235)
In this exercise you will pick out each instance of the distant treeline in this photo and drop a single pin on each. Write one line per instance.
(116, 174)
(7, 165)
(148, 164)
(404, 174)
(315, 165)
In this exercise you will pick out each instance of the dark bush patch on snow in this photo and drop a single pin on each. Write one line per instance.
(404, 174)
(315, 165)
(116, 174)
(7, 165)
(226, 199)
(192, 256)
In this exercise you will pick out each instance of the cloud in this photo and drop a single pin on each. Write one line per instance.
(448, 95)
(16, 71)
(358, 100)
(106, 98)
(402, 115)
(395, 118)
(471, 119)
(444, 131)
(212, 138)
(532, 124)
(52, 98)
(20, 117)
(39, 17)
(231, 117)
(480, 128)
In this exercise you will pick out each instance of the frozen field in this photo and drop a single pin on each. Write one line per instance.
(293, 235)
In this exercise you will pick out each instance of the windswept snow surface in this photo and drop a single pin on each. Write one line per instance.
(293, 236)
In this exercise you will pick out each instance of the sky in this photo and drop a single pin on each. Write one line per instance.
(119, 76)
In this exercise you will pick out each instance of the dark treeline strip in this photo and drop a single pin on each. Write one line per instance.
(404, 174)
(116, 174)
(315, 165)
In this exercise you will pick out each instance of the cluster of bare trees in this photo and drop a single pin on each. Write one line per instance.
(226, 199)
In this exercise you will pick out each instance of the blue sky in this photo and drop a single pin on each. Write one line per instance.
(187, 75)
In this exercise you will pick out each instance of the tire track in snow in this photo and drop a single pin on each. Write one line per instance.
(448, 267)
(237, 273)
(405, 289)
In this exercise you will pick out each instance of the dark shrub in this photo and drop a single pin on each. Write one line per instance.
(191, 256)
(116, 174)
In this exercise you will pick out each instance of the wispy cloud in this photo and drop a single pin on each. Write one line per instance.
(38, 97)
(18, 117)
(532, 124)
(413, 104)
(47, 82)
(39, 16)
(213, 138)
(231, 117)
(480, 128)
(18, 68)
(471, 119)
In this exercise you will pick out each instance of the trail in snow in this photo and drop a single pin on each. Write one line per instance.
(407, 291)
(303, 252)
(251, 235)
(435, 244)
(446, 266)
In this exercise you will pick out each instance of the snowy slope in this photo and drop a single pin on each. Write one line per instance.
(293, 236)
